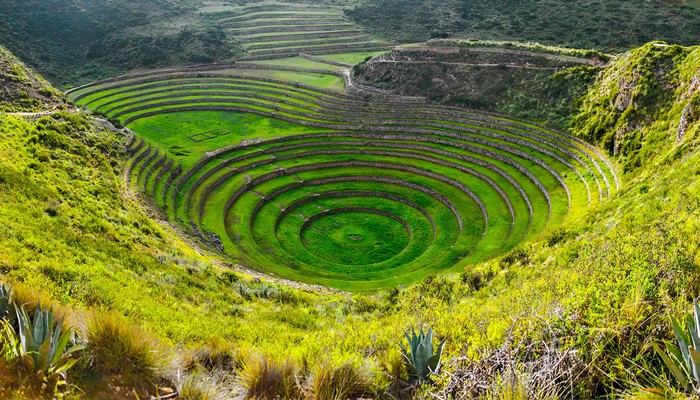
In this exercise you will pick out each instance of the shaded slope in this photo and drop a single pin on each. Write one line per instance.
(522, 80)
(610, 25)
(77, 41)
(22, 90)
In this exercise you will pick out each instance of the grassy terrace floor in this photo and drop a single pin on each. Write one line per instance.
(289, 174)
(280, 31)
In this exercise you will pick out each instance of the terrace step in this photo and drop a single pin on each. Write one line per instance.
(364, 153)
(243, 39)
(258, 22)
(308, 42)
(314, 50)
(293, 28)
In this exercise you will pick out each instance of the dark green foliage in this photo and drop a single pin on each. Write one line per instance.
(77, 42)
(537, 94)
(557, 235)
(5, 293)
(475, 280)
(438, 287)
(516, 256)
(610, 25)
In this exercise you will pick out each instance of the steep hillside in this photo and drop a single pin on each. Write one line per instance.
(569, 314)
(610, 25)
(534, 82)
(646, 102)
(22, 90)
(73, 42)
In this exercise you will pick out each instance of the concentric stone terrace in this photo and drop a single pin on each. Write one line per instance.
(355, 191)
(277, 31)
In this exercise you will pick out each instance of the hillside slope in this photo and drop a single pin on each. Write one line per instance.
(610, 25)
(22, 90)
(647, 102)
(73, 42)
(522, 80)
(592, 296)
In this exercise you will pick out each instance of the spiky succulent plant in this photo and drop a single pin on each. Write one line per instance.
(684, 361)
(419, 355)
(5, 301)
(43, 347)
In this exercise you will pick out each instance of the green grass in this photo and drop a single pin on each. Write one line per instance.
(171, 131)
(296, 231)
(292, 34)
(351, 58)
(296, 62)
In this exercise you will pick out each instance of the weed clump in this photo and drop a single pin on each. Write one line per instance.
(265, 378)
(116, 348)
(345, 381)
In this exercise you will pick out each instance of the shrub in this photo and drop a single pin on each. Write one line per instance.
(346, 381)
(515, 256)
(217, 354)
(556, 236)
(116, 347)
(44, 343)
(264, 378)
(438, 287)
(476, 280)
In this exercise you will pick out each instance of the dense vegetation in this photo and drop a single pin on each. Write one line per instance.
(73, 42)
(528, 81)
(610, 25)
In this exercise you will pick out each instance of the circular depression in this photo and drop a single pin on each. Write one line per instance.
(355, 236)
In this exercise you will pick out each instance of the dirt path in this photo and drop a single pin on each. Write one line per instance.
(554, 57)
(31, 114)
(467, 64)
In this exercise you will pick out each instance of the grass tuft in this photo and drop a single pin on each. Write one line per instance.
(264, 378)
(216, 354)
(117, 348)
(330, 382)
(202, 387)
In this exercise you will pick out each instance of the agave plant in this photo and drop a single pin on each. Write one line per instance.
(43, 349)
(684, 361)
(419, 356)
(5, 301)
